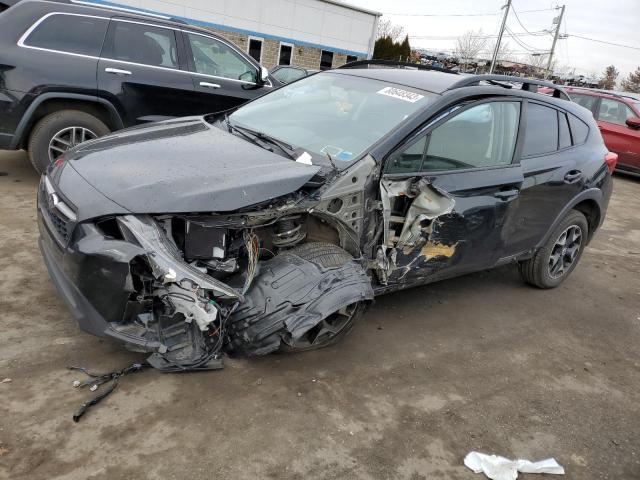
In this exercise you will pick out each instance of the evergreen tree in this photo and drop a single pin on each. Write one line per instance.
(632, 82)
(405, 49)
(608, 80)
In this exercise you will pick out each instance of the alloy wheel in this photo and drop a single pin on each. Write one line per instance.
(565, 251)
(326, 330)
(68, 138)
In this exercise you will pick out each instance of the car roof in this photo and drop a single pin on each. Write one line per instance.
(430, 81)
(124, 11)
(626, 97)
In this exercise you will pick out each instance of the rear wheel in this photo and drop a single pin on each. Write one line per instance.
(553, 263)
(56, 133)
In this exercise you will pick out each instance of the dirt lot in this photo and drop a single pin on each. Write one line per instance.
(482, 363)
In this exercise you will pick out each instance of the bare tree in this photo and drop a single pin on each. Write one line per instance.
(468, 46)
(388, 29)
(537, 60)
(505, 53)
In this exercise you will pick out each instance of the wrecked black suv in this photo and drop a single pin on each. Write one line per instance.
(272, 227)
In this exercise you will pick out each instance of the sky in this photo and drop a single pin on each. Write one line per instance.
(616, 21)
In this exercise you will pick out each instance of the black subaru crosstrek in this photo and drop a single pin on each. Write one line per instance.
(70, 73)
(272, 227)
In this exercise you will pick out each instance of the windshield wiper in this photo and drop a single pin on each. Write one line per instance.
(253, 135)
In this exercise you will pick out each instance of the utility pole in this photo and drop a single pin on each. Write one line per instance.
(494, 58)
(555, 39)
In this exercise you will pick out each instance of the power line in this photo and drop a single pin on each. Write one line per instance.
(603, 41)
(515, 14)
(459, 14)
(454, 37)
(520, 42)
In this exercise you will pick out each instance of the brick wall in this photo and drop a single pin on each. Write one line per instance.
(302, 56)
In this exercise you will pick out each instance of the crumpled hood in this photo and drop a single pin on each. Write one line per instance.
(184, 165)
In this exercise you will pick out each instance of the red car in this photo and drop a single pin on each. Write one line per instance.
(618, 117)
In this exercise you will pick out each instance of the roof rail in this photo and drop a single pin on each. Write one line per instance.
(132, 10)
(394, 64)
(613, 93)
(506, 80)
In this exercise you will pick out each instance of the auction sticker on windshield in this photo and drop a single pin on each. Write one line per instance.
(405, 95)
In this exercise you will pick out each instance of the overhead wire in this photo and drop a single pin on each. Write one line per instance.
(459, 14)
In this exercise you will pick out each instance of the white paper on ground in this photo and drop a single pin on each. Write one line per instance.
(500, 468)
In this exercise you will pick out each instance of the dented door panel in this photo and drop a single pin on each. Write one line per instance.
(446, 224)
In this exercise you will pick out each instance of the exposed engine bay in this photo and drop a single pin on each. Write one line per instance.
(246, 283)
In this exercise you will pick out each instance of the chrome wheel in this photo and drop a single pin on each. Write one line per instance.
(326, 330)
(68, 138)
(565, 251)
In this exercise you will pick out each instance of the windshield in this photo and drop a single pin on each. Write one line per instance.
(331, 114)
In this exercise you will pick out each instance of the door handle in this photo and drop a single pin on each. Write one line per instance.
(117, 71)
(209, 85)
(573, 176)
(507, 194)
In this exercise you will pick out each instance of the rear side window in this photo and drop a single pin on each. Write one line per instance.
(579, 130)
(587, 101)
(565, 136)
(542, 130)
(613, 111)
(69, 33)
(144, 44)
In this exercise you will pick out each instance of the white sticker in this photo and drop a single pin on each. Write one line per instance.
(304, 158)
(405, 95)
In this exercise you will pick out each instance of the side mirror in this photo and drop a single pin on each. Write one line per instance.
(633, 122)
(264, 75)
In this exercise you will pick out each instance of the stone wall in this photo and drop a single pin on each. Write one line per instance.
(302, 56)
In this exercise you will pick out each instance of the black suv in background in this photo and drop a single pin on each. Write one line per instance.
(70, 73)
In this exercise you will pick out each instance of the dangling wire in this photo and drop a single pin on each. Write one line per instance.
(252, 244)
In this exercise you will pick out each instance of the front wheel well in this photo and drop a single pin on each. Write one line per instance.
(47, 107)
(591, 210)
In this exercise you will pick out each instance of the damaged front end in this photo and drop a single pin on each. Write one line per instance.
(188, 287)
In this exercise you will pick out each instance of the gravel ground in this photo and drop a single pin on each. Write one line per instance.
(481, 362)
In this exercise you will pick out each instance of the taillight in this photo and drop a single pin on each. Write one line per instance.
(611, 159)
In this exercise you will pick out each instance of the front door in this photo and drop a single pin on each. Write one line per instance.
(140, 72)
(449, 194)
(223, 78)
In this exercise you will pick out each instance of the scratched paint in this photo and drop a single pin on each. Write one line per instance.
(432, 250)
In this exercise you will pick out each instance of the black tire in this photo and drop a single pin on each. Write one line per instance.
(537, 270)
(49, 126)
(251, 333)
(325, 255)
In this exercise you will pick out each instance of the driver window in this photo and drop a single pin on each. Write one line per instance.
(481, 136)
(211, 57)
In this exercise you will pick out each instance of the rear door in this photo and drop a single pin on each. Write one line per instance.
(618, 136)
(140, 72)
(223, 77)
(449, 193)
(552, 173)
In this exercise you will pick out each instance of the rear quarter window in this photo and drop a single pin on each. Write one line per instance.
(69, 33)
(587, 101)
(579, 130)
(541, 134)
